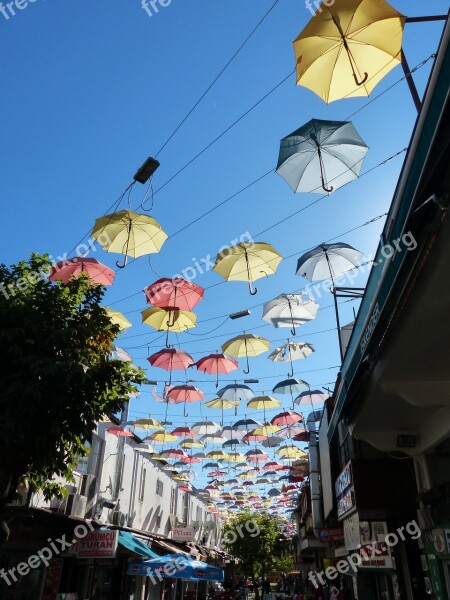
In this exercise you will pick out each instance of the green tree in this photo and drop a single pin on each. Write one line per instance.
(254, 539)
(56, 377)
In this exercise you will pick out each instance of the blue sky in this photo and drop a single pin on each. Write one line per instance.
(90, 90)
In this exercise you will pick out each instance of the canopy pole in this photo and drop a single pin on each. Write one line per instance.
(426, 18)
(410, 82)
(333, 291)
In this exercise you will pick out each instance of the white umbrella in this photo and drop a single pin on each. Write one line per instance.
(205, 427)
(291, 351)
(290, 310)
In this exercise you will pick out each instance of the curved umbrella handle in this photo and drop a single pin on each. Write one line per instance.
(363, 81)
(247, 370)
(167, 339)
(252, 292)
(125, 262)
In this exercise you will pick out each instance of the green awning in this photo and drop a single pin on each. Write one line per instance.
(135, 545)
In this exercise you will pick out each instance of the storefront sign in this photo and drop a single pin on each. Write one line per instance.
(183, 534)
(98, 544)
(331, 534)
(344, 480)
(351, 532)
(346, 502)
(376, 556)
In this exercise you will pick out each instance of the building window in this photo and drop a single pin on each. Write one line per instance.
(159, 487)
(158, 522)
(142, 485)
(172, 502)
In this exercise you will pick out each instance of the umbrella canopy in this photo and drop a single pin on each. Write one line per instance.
(328, 261)
(176, 566)
(161, 437)
(348, 47)
(246, 345)
(119, 431)
(74, 267)
(174, 293)
(291, 431)
(311, 397)
(246, 424)
(247, 261)
(236, 392)
(290, 310)
(321, 155)
(290, 352)
(217, 455)
(212, 438)
(129, 233)
(190, 443)
(204, 427)
(290, 451)
(220, 403)
(185, 432)
(235, 457)
(148, 423)
(171, 359)
(272, 441)
(117, 318)
(185, 393)
(290, 386)
(120, 354)
(217, 363)
(288, 417)
(163, 319)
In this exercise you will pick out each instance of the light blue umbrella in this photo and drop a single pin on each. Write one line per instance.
(236, 392)
(291, 386)
(321, 155)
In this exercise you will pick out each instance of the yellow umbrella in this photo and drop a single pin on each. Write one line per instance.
(148, 424)
(180, 478)
(290, 452)
(348, 47)
(263, 402)
(217, 455)
(265, 430)
(247, 261)
(129, 233)
(162, 436)
(236, 457)
(168, 320)
(190, 443)
(118, 318)
(246, 345)
(221, 403)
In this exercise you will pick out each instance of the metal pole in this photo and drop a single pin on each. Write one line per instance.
(333, 291)
(426, 19)
(411, 84)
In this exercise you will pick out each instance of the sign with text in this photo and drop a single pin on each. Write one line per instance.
(331, 534)
(98, 544)
(183, 534)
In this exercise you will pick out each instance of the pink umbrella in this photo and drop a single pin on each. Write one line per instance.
(189, 460)
(291, 432)
(247, 484)
(119, 431)
(301, 437)
(217, 363)
(185, 488)
(171, 359)
(288, 417)
(217, 474)
(272, 466)
(174, 453)
(74, 267)
(184, 432)
(256, 456)
(254, 437)
(174, 293)
(185, 393)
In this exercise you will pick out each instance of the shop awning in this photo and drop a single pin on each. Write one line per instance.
(176, 566)
(135, 545)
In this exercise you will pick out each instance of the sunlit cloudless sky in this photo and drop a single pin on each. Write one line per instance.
(89, 90)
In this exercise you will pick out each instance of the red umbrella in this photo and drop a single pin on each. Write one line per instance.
(189, 460)
(184, 432)
(217, 474)
(301, 437)
(185, 488)
(288, 417)
(73, 267)
(171, 359)
(174, 453)
(174, 293)
(185, 393)
(217, 363)
(254, 437)
(272, 466)
(119, 431)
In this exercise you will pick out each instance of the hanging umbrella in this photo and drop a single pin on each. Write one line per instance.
(117, 318)
(273, 492)
(256, 456)
(247, 261)
(185, 432)
(290, 310)
(301, 437)
(73, 267)
(129, 233)
(190, 443)
(329, 261)
(186, 394)
(272, 441)
(290, 352)
(217, 455)
(217, 363)
(167, 320)
(161, 437)
(230, 432)
(264, 403)
(171, 359)
(246, 345)
(233, 442)
(119, 431)
(286, 418)
(289, 386)
(190, 460)
(271, 466)
(221, 404)
(290, 451)
(173, 453)
(204, 427)
(120, 354)
(311, 397)
(236, 392)
(211, 465)
(291, 431)
(246, 424)
(235, 457)
(348, 47)
(212, 438)
(321, 155)
(174, 293)
(148, 423)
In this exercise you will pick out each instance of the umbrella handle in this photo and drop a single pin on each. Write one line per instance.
(247, 370)
(252, 292)
(167, 339)
(363, 81)
(125, 262)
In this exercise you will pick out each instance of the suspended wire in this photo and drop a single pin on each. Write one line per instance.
(216, 79)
